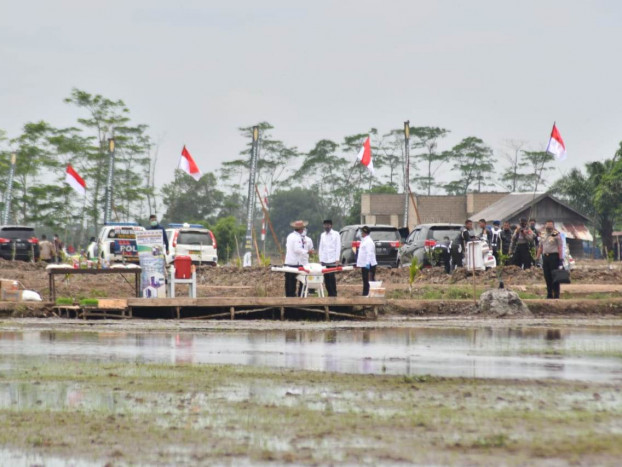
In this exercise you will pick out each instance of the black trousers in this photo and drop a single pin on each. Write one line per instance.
(330, 280)
(290, 282)
(550, 262)
(368, 275)
(522, 256)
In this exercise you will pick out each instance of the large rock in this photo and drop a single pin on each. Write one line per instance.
(502, 303)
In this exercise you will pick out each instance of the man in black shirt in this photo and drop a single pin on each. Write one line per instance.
(506, 238)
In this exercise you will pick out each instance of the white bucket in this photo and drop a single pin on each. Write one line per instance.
(375, 284)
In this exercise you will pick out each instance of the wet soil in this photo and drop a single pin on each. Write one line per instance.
(203, 414)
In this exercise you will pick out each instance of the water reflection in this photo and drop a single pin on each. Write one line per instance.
(489, 352)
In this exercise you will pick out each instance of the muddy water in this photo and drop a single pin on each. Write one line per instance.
(590, 354)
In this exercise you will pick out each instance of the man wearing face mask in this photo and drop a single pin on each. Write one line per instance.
(506, 238)
(330, 248)
(522, 240)
(551, 251)
(154, 225)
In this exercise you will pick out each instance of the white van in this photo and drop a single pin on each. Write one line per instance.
(117, 242)
(192, 240)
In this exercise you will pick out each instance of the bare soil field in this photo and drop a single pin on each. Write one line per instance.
(590, 278)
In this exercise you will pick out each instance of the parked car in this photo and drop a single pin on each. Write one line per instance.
(386, 238)
(192, 240)
(423, 239)
(117, 242)
(19, 242)
(426, 242)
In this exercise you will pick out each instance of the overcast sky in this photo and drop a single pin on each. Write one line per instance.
(196, 71)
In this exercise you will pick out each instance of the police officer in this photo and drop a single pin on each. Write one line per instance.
(522, 241)
(506, 238)
(551, 251)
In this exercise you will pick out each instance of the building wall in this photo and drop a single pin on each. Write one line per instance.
(389, 208)
(442, 209)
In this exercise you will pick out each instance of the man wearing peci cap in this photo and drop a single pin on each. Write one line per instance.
(330, 249)
(295, 251)
(366, 259)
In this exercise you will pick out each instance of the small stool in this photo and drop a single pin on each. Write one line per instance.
(192, 283)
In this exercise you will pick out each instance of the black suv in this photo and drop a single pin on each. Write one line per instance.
(386, 238)
(423, 238)
(18, 242)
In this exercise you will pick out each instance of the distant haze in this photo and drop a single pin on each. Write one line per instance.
(195, 71)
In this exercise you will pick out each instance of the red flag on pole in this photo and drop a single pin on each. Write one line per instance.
(364, 156)
(74, 180)
(187, 164)
(556, 146)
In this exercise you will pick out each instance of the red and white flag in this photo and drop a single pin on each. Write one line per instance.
(556, 145)
(187, 164)
(364, 156)
(263, 220)
(74, 180)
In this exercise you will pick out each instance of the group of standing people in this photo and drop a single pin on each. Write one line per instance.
(51, 251)
(523, 244)
(299, 246)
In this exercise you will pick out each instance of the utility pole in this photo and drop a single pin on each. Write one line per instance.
(248, 244)
(406, 169)
(108, 207)
(9, 191)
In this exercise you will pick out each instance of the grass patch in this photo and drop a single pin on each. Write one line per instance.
(64, 301)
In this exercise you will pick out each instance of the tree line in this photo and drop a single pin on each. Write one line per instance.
(324, 181)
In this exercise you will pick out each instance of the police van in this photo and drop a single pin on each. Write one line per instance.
(192, 240)
(117, 242)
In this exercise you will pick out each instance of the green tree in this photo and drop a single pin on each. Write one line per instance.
(229, 237)
(426, 139)
(538, 163)
(107, 118)
(587, 193)
(296, 203)
(274, 165)
(472, 160)
(189, 200)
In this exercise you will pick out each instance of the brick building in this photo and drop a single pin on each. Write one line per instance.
(389, 209)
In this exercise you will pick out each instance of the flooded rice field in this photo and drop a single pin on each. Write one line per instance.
(389, 392)
(569, 352)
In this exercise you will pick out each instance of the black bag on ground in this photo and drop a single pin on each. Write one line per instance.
(561, 276)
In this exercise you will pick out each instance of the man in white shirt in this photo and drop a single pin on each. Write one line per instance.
(295, 251)
(366, 259)
(330, 249)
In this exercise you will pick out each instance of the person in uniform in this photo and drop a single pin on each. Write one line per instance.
(551, 250)
(47, 252)
(522, 241)
(294, 253)
(495, 239)
(366, 259)
(506, 238)
(330, 249)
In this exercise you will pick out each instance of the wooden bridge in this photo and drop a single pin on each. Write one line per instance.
(229, 307)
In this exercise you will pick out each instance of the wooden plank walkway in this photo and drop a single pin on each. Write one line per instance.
(230, 307)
